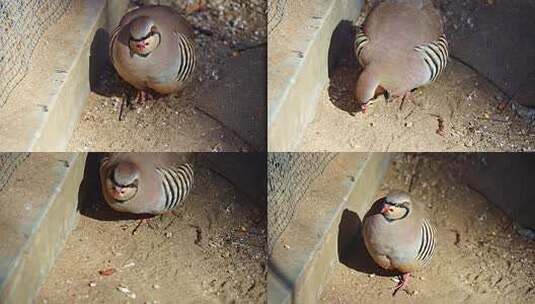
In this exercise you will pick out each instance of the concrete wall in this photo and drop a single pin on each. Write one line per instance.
(306, 252)
(43, 109)
(38, 210)
(296, 80)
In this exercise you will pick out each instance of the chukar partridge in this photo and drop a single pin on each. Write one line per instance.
(398, 236)
(153, 49)
(401, 46)
(151, 183)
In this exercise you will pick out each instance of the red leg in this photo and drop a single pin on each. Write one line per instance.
(173, 212)
(141, 222)
(403, 98)
(141, 98)
(402, 283)
(122, 105)
(137, 226)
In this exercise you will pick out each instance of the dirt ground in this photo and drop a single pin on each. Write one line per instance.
(480, 257)
(459, 112)
(174, 123)
(462, 102)
(212, 252)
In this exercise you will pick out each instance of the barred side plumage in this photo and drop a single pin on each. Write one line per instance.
(360, 42)
(435, 55)
(177, 184)
(188, 59)
(427, 243)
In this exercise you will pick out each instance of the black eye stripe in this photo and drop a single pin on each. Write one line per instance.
(404, 203)
(144, 38)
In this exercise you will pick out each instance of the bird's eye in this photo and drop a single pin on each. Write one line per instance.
(147, 44)
(391, 209)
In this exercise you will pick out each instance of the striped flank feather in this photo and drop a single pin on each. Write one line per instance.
(360, 41)
(188, 60)
(177, 184)
(427, 243)
(435, 55)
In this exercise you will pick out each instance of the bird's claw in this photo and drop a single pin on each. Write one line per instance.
(403, 282)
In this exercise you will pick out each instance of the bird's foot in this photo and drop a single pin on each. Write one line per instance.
(404, 281)
(141, 98)
(137, 226)
(365, 106)
(175, 216)
(402, 99)
(123, 104)
(140, 223)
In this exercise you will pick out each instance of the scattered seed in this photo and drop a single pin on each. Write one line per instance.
(126, 291)
(107, 272)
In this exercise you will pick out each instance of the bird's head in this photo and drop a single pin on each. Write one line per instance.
(122, 182)
(396, 206)
(367, 88)
(144, 36)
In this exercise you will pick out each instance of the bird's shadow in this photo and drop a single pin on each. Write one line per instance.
(343, 68)
(91, 202)
(103, 78)
(352, 251)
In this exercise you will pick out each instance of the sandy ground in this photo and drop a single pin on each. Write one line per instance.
(465, 103)
(212, 252)
(462, 106)
(480, 257)
(224, 28)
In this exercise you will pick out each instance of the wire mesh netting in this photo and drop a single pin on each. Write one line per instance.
(289, 176)
(8, 163)
(275, 13)
(22, 22)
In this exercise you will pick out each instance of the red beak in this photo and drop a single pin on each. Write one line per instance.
(384, 208)
(118, 190)
(140, 46)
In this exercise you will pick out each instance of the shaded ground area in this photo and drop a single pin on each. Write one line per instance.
(225, 30)
(480, 256)
(462, 105)
(212, 252)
